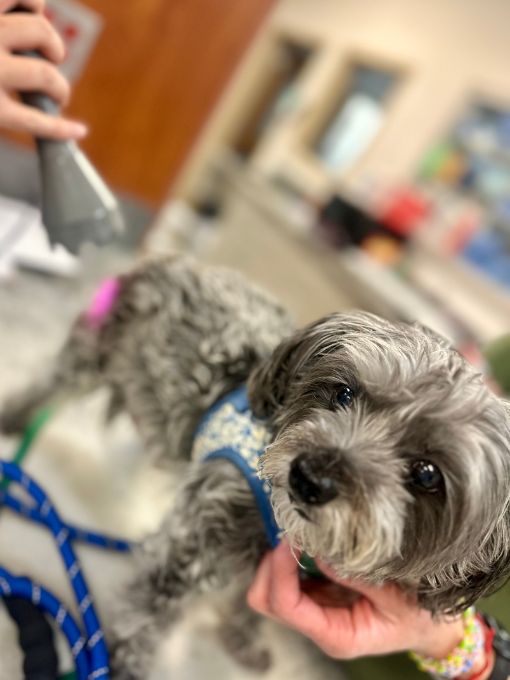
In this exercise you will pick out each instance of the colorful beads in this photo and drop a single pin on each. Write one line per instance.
(462, 658)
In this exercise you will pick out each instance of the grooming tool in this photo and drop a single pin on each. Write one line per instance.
(77, 205)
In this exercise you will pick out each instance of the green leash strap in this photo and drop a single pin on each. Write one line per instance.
(29, 436)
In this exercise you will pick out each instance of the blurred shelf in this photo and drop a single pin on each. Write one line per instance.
(483, 306)
(445, 291)
(369, 284)
(384, 292)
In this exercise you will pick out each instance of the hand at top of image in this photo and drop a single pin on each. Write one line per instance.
(28, 31)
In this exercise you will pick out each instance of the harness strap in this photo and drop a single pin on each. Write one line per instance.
(260, 490)
(229, 431)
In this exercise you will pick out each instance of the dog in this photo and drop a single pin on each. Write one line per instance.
(388, 457)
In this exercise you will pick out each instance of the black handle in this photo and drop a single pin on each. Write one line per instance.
(35, 638)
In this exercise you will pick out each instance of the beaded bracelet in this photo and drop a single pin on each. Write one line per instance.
(463, 657)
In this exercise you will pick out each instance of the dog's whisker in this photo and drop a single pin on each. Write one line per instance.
(293, 553)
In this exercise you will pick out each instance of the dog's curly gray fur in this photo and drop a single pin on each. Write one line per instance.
(180, 336)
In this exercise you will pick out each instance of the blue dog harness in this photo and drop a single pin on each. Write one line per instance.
(230, 431)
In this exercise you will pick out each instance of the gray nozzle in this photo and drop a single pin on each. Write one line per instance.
(77, 205)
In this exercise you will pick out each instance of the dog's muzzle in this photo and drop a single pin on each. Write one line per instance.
(309, 482)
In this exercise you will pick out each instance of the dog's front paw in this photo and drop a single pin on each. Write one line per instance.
(122, 665)
(245, 651)
(254, 659)
(119, 671)
(121, 674)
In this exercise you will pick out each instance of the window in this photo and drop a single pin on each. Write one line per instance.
(358, 117)
(277, 96)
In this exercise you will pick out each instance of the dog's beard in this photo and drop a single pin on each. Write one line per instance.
(356, 536)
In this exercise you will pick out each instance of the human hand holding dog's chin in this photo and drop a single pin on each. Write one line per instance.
(26, 31)
(379, 619)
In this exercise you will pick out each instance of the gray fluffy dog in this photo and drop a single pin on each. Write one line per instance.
(390, 458)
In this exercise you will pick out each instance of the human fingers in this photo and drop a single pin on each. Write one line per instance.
(387, 598)
(286, 600)
(329, 593)
(284, 572)
(335, 629)
(19, 117)
(387, 618)
(275, 589)
(36, 6)
(21, 31)
(258, 593)
(277, 592)
(26, 74)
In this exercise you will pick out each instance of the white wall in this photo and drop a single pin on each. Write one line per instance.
(449, 49)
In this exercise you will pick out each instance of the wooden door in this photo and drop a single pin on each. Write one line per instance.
(156, 72)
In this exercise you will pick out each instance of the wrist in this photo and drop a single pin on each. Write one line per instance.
(455, 649)
(441, 640)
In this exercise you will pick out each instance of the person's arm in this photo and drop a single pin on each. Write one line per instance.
(382, 620)
(25, 31)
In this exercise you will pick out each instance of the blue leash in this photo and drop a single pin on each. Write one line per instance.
(75, 533)
(87, 645)
(227, 431)
(22, 587)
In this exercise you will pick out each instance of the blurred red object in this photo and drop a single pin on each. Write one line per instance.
(404, 210)
(71, 31)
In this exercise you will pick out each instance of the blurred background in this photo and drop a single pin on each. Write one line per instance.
(343, 153)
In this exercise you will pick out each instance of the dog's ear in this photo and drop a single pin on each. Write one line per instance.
(453, 592)
(268, 382)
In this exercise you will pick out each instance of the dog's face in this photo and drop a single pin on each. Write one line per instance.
(391, 458)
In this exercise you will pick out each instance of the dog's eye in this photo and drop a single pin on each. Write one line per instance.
(426, 476)
(344, 396)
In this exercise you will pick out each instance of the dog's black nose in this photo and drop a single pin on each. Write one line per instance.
(309, 482)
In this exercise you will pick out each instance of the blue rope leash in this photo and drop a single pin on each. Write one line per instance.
(88, 646)
(75, 533)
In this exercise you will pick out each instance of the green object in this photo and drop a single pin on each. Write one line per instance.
(29, 436)
(68, 676)
(434, 160)
(497, 355)
(309, 566)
